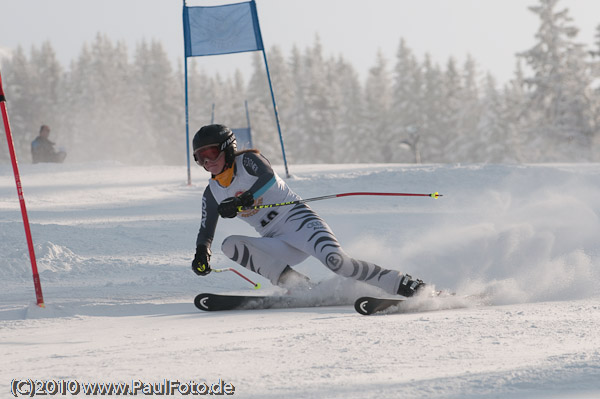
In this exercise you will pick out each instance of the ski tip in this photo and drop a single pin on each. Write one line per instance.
(361, 305)
(367, 305)
(202, 302)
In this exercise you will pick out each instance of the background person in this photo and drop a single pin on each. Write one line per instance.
(42, 149)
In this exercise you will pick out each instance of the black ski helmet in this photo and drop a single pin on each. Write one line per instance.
(220, 135)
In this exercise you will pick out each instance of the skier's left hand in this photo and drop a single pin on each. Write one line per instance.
(230, 207)
(200, 264)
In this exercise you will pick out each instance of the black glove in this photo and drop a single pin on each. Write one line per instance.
(230, 207)
(200, 264)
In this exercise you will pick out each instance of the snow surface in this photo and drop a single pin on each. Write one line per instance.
(114, 245)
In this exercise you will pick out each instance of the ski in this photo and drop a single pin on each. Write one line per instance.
(437, 301)
(219, 302)
(368, 305)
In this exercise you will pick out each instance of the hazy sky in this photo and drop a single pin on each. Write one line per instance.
(492, 31)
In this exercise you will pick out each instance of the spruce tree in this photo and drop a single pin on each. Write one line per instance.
(407, 113)
(559, 88)
(378, 103)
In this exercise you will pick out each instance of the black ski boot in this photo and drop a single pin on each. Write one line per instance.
(294, 281)
(409, 287)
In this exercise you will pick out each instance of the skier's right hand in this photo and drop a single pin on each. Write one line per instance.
(200, 264)
(230, 207)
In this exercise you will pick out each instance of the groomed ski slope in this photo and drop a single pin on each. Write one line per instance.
(114, 245)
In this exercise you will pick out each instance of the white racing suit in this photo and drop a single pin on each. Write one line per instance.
(289, 234)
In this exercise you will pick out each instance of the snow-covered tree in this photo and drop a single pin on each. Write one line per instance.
(349, 130)
(433, 130)
(283, 89)
(283, 84)
(264, 125)
(378, 103)
(595, 95)
(18, 86)
(470, 111)
(450, 136)
(559, 86)
(32, 89)
(201, 97)
(158, 105)
(293, 118)
(407, 112)
(516, 117)
(321, 115)
(492, 141)
(47, 74)
(104, 102)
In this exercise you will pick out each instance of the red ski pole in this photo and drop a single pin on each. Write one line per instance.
(230, 269)
(13, 158)
(302, 201)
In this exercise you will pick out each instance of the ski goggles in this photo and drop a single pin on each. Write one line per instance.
(208, 153)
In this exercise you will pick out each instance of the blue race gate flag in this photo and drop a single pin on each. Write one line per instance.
(231, 28)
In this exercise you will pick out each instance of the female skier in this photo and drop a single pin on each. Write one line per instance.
(289, 234)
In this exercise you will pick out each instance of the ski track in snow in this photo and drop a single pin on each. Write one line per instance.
(114, 243)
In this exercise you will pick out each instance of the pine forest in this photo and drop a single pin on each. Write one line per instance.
(111, 103)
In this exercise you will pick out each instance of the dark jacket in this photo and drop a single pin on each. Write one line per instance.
(42, 150)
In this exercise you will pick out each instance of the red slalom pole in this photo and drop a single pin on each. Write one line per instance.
(13, 158)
